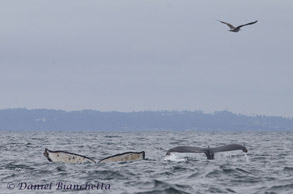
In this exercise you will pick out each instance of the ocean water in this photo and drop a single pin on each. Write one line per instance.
(266, 168)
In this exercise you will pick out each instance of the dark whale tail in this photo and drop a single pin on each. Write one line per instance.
(209, 152)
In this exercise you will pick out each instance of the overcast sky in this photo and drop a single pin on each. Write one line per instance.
(147, 55)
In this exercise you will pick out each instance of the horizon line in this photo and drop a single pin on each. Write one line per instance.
(133, 111)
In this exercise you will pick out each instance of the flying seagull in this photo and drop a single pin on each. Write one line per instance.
(236, 29)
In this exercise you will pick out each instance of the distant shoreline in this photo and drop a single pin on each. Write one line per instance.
(91, 120)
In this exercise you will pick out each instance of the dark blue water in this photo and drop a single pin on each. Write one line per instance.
(267, 168)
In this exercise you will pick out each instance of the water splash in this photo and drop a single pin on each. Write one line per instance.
(174, 158)
(247, 158)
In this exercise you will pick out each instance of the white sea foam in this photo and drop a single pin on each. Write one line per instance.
(175, 158)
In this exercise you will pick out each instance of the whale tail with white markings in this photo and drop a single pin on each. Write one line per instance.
(127, 156)
(66, 157)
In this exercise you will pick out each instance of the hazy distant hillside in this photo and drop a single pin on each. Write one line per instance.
(43, 119)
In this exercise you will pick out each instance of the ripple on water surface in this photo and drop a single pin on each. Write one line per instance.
(267, 168)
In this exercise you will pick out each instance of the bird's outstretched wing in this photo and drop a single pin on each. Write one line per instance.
(246, 24)
(186, 149)
(230, 147)
(230, 25)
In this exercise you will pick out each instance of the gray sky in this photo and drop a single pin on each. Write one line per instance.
(147, 55)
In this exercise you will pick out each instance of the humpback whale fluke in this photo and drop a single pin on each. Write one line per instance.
(209, 152)
(66, 157)
(236, 29)
(127, 156)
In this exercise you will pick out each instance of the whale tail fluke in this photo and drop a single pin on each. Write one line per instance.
(66, 157)
(123, 157)
(230, 147)
(209, 152)
(186, 149)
